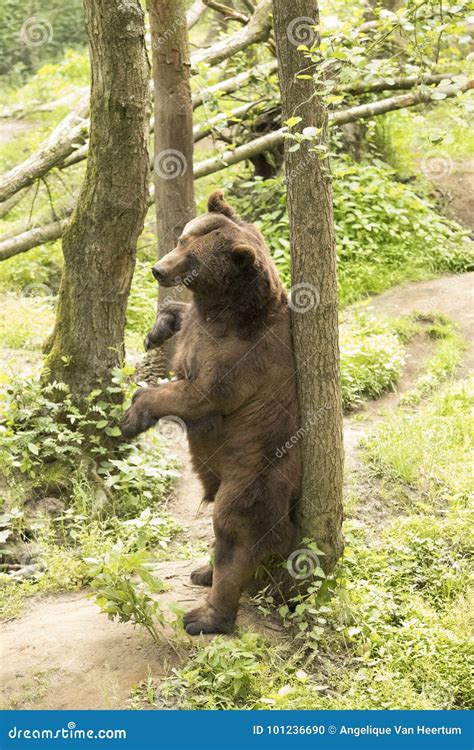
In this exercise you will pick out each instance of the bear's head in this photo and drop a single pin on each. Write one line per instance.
(214, 251)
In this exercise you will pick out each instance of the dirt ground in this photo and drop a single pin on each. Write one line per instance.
(62, 653)
(454, 187)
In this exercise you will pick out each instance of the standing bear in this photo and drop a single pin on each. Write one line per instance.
(235, 390)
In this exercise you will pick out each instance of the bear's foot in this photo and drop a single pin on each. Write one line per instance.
(207, 619)
(202, 576)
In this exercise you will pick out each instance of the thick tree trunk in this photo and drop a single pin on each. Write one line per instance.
(314, 291)
(174, 139)
(99, 244)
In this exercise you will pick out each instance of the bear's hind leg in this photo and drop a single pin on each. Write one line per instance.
(235, 563)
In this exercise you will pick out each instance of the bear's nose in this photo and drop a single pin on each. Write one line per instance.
(158, 273)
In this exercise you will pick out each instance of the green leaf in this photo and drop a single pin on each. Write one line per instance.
(293, 121)
(113, 431)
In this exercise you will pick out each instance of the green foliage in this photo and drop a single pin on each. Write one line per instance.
(372, 360)
(442, 365)
(44, 424)
(385, 231)
(35, 273)
(121, 581)
(408, 140)
(37, 32)
(23, 320)
(141, 307)
(51, 448)
(225, 674)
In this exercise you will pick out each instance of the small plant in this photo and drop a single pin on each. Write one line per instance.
(121, 581)
(224, 674)
(428, 450)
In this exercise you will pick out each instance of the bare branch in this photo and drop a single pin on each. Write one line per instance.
(236, 82)
(257, 30)
(384, 84)
(195, 13)
(229, 13)
(61, 143)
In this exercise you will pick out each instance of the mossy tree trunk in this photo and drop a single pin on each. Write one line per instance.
(174, 141)
(314, 284)
(99, 244)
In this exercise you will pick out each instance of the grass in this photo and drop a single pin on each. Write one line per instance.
(372, 359)
(24, 320)
(428, 450)
(373, 354)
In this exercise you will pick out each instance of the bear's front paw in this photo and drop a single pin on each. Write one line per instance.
(156, 337)
(207, 619)
(137, 418)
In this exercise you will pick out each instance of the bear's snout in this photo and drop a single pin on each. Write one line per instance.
(158, 272)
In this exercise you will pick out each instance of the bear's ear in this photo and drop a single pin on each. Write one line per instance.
(244, 254)
(217, 204)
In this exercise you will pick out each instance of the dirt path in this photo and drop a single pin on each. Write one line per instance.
(62, 653)
(453, 183)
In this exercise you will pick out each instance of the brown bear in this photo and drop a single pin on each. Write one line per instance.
(235, 390)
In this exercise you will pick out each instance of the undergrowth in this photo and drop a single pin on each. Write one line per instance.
(67, 497)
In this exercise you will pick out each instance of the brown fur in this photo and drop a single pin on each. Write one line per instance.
(236, 392)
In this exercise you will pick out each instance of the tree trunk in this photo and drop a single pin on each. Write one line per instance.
(314, 288)
(99, 244)
(174, 139)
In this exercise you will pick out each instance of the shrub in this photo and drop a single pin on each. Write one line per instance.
(385, 231)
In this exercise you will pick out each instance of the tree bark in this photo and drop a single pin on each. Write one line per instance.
(99, 244)
(314, 295)
(174, 141)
